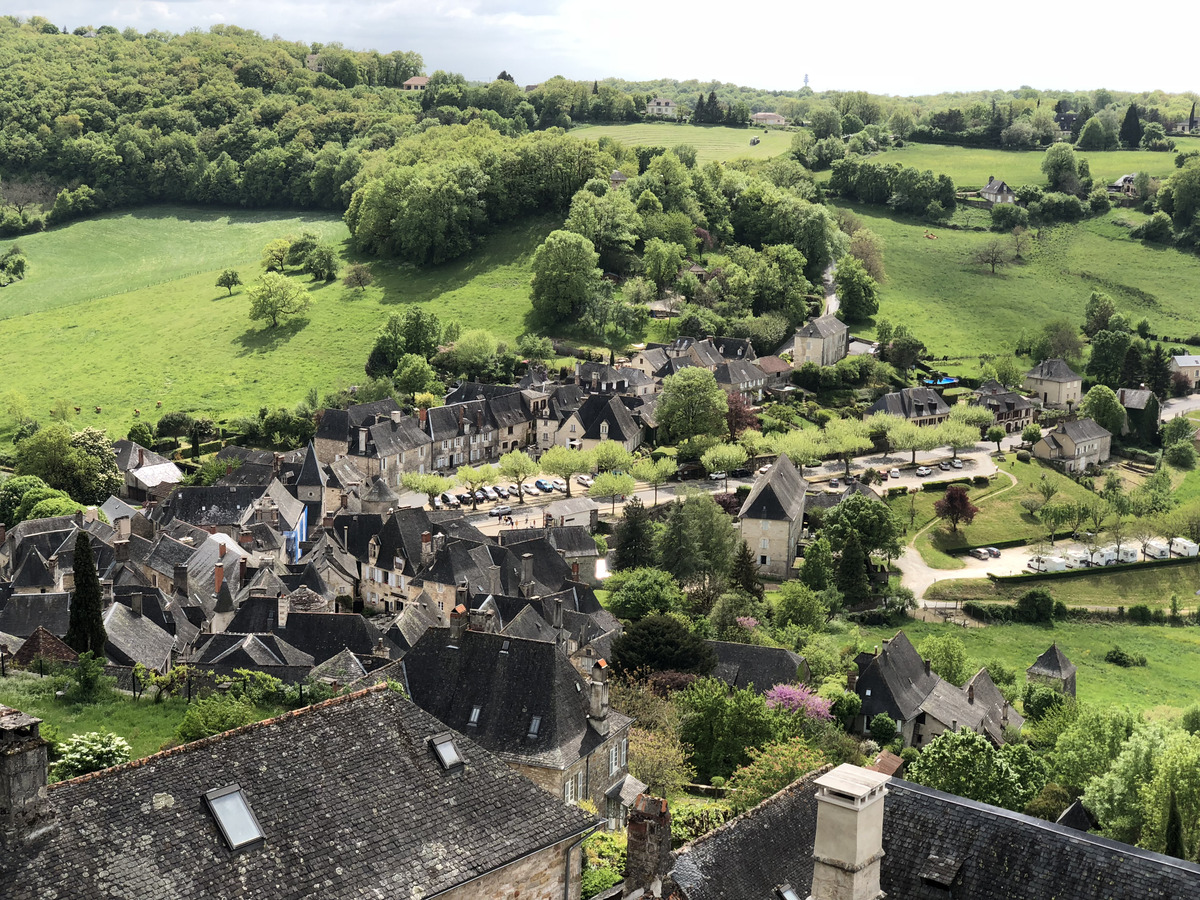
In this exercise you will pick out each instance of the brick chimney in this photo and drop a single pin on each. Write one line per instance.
(458, 623)
(282, 608)
(135, 603)
(25, 810)
(221, 550)
(3, 532)
(422, 417)
(426, 548)
(242, 572)
(180, 578)
(648, 851)
(598, 699)
(849, 839)
(575, 570)
(971, 693)
(218, 577)
(141, 457)
(460, 595)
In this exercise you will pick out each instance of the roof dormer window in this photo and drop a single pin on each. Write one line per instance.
(446, 751)
(786, 892)
(535, 725)
(474, 720)
(233, 815)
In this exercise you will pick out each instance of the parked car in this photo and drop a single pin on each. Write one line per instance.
(529, 490)
(835, 482)
(993, 552)
(895, 473)
(481, 497)
(688, 471)
(944, 465)
(980, 553)
(544, 486)
(451, 500)
(502, 491)
(924, 470)
(437, 502)
(465, 497)
(956, 463)
(502, 510)
(559, 485)
(490, 493)
(739, 473)
(585, 480)
(763, 470)
(716, 476)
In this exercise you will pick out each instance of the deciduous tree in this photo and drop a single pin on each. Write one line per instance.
(564, 275)
(517, 466)
(427, 483)
(856, 289)
(229, 279)
(691, 403)
(640, 592)
(655, 472)
(565, 463)
(956, 507)
(947, 657)
(358, 276)
(609, 486)
(274, 296)
(1101, 404)
(661, 644)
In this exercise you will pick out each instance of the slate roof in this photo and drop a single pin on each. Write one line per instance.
(312, 474)
(822, 327)
(911, 403)
(601, 408)
(1052, 664)
(743, 665)
(326, 634)
(1134, 399)
(249, 651)
(1183, 361)
(1076, 816)
(773, 365)
(1083, 430)
(998, 711)
(777, 495)
(136, 639)
(340, 669)
(532, 679)
(333, 827)
(895, 682)
(393, 438)
(208, 505)
(574, 539)
(127, 453)
(1003, 401)
(734, 348)
(1052, 370)
(738, 372)
(115, 508)
(23, 613)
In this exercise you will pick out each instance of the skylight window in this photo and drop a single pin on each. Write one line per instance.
(535, 725)
(447, 751)
(239, 826)
(504, 647)
(474, 720)
(786, 892)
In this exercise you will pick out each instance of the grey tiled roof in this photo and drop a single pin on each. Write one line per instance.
(777, 495)
(1052, 663)
(895, 682)
(743, 665)
(1083, 430)
(1052, 370)
(23, 613)
(911, 403)
(333, 827)
(823, 327)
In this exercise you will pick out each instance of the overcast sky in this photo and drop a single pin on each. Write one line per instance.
(882, 46)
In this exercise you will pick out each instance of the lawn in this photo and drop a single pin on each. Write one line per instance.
(121, 312)
(1000, 518)
(712, 142)
(1169, 683)
(971, 167)
(1118, 586)
(146, 725)
(960, 310)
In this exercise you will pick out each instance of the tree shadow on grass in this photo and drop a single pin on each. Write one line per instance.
(268, 339)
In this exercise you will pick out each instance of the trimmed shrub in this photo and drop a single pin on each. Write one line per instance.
(1124, 659)
(1023, 456)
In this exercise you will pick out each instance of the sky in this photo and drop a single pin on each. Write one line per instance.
(898, 47)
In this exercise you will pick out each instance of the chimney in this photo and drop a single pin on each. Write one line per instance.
(52, 567)
(648, 850)
(558, 609)
(458, 623)
(460, 418)
(3, 532)
(123, 526)
(1121, 396)
(479, 420)
(362, 441)
(396, 415)
(422, 416)
(598, 700)
(494, 579)
(527, 571)
(141, 457)
(575, 570)
(221, 551)
(106, 591)
(927, 668)
(381, 650)
(426, 548)
(246, 539)
(180, 578)
(344, 502)
(477, 620)
(970, 693)
(954, 725)
(135, 603)
(218, 577)
(242, 572)
(229, 468)
(68, 582)
(851, 681)
(282, 608)
(460, 595)
(849, 839)
(25, 810)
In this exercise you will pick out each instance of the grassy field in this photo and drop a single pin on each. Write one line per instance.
(1107, 587)
(1169, 683)
(970, 167)
(146, 725)
(1000, 516)
(121, 312)
(959, 309)
(712, 142)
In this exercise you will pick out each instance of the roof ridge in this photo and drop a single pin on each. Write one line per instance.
(224, 735)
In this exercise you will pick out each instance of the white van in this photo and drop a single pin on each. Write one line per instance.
(1157, 550)
(1076, 559)
(1054, 564)
(1184, 547)
(1127, 555)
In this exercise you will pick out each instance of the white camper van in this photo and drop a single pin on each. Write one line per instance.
(1077, 559)
(1127, 555)
(1184, 547)
(1157, 550)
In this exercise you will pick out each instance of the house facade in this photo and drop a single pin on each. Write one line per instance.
(823, 341)
(1010, 410)
(996, 191)
(768, 118)
(1053, 382)
(661, 107)
(772, 518)
(1188, 367)
(921, 406)
(1075, 445)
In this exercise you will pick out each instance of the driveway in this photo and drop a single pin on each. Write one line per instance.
(1178, 406)
(831, 299)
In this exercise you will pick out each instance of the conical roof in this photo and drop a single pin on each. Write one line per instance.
(1053, 663)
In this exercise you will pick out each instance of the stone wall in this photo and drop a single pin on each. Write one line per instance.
(542, 876)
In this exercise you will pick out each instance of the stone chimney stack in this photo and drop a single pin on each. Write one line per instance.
(648, 853)
(849, 839)
(458, 623)
(282, 608)
(558, 612)
(971, 693)
(52, 568)
(460, 595)
(426, 548)
(218, 576)
(135, 603)
(477, 620)
(106, 591)
(25, 810)
(180, 578)
(121, 551)
(927, 667)
(598, 699)
(527, 573)
(494, 579)
(3, 532)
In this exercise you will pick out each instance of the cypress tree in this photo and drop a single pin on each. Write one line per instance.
(1174, 830)
(85, 629)
(744, 573)
(852, 578)
(1192, 117)
(676, 547)
(634, 539)
(1131, 128)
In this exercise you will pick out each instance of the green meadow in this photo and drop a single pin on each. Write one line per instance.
(712, 142)
(1168, 684)
(121, 312)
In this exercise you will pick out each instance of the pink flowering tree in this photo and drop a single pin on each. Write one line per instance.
(798, 699)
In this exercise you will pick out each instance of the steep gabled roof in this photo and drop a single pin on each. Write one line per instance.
(823, 327)
(136, 639)
(778, 495)
(43, 645)
(312, 474)
(895, 682)
(601, 409)
(1052, 664)
(743, 665)
(1052, 370)
(23, 613)
(341, 669)
(330, 824)
(911, 403)
(249, 650)
(1083, 430)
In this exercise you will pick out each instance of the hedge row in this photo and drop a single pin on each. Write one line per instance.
(1079, 573)
(1000, 545)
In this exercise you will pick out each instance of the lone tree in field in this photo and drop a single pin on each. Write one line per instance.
(956, 507)
(275, 254)
(274, 296)
(229, 279)
(358, 276)
(992, 254)
(85, 628)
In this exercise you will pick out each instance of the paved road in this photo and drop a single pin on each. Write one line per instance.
(831, 299)
(1178, 406)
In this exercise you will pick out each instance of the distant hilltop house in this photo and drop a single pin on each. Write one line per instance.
(1188, 367)
(416, 83)
(996, 191)
(1123, 185)
(1053, 381)
(1075, 445)
(617, 179)
(661, 107)
(768, 118)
